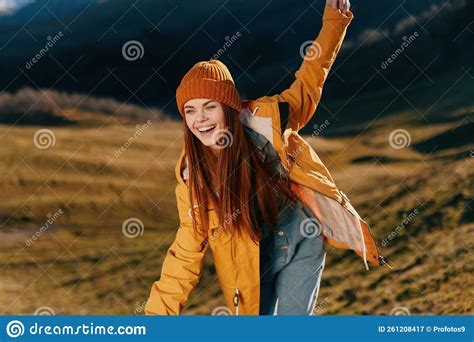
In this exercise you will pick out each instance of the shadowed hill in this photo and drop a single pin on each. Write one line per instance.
(262, 61)
(53, 108)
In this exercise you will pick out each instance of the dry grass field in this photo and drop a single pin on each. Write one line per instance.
(84, 263)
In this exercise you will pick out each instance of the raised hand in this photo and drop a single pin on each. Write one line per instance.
(341, 5)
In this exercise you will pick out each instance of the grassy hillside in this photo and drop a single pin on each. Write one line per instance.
(85, 263)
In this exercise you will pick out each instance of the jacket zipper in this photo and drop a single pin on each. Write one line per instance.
(382, 261)
(381, 258)
(236, 301)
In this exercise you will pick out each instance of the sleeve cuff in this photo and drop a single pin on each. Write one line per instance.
(331, 13)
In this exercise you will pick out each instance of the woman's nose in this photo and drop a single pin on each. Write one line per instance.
(201, 116)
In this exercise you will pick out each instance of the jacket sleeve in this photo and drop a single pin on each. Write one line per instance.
(182, 265)
(304, 93)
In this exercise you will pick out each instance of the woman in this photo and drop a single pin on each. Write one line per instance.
(255, 193)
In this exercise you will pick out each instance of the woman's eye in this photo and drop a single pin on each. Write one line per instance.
(211, 107)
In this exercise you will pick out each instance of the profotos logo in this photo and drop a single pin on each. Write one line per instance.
(132, 50)
(15, 328)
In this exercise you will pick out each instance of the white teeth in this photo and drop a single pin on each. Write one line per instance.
(207, 128)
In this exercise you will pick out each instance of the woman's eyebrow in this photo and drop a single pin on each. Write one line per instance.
(205, 103)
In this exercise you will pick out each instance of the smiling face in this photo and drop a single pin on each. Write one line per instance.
(205, 119)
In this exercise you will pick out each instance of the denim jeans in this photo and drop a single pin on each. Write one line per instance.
(292, 258)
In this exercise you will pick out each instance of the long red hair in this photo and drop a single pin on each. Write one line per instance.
(243, 182)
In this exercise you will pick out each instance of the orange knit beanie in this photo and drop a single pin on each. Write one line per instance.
(208, 80)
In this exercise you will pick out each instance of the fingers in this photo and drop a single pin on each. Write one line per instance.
(333, 3)
(344, 6)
